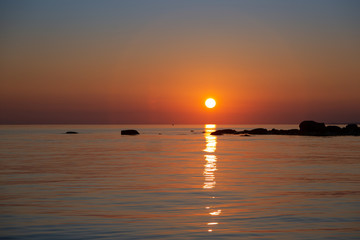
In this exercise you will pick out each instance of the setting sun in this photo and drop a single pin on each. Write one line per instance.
(210, 103)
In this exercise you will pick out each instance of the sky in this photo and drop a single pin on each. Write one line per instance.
(156, 62)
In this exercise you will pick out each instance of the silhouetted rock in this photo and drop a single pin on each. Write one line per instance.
(312, 128)
(71, 132)
(289, 132)
(245, 135)
(274, 131)
(333, 130)
(352, 129)
(129, 132)
(224, 131)
(260, 131)
(307, 128)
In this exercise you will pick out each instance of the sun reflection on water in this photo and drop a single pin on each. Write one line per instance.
(209, 169)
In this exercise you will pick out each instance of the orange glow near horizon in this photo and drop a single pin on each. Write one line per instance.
(162, 69)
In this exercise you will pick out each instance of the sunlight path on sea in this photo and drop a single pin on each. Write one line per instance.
(209, 174)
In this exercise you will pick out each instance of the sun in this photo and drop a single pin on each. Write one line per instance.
(210, 103)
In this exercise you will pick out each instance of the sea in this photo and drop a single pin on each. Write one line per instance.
(176, 182)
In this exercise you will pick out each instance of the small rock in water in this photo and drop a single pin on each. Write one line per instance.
(129, 132)
(71, 132)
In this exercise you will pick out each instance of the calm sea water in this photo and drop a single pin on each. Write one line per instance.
(174, 183)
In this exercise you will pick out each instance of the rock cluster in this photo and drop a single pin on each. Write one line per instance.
(306, 128)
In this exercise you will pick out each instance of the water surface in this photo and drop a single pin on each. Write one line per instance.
(176, 182)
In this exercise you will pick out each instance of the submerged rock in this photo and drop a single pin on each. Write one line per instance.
(71, 132)
(245, 135)
(129, 132)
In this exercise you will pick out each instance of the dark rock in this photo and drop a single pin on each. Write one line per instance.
(307, 128)
(283, 132)
(129, 132)
(245, 135)
(352, 129)
(258, 131)
(312, 128)
(223, 131)
(71, 132)
(291, 132)
(274, 131)
(334, 130)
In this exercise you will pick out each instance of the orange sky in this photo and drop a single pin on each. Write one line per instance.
(131, 63)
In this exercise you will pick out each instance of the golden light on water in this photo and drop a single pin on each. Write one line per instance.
(209, 170)
(210, 165)
(212, 223)
(210, 145)
(216, 213)
(210, 103)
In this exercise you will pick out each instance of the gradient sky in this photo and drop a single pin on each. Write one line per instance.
(157, 61)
